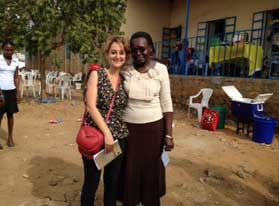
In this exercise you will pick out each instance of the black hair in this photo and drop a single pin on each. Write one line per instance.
(142, 34)
(7, 42)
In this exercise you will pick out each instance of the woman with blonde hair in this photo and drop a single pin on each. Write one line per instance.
(102, 85)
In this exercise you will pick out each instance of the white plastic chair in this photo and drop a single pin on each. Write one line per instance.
(35, 74)
(206, 94)
(77, 77)
(28, 82)
(50, 81)
(64, 86)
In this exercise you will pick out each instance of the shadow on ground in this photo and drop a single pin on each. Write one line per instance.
(56, 180)
(231, 186)
(3, 134)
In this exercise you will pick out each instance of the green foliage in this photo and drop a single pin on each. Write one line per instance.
(10, 23)
(56, 60)
(43, 25)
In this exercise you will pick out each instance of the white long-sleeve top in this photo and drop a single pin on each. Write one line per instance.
(149, 94)
(7, 73)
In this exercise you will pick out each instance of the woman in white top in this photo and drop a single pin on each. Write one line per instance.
(149, 116)
(9, 86)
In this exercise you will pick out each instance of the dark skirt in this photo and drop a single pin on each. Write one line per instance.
(10, 106)
(143, 177)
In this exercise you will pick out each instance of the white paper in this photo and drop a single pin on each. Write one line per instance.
(102, 158)
(165, 158)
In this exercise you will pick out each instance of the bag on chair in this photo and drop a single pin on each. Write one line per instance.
(210, 119)
(90, 140)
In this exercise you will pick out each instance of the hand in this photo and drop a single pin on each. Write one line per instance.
(2, 103)
(169, 144)
(108, 143)
(18, 98)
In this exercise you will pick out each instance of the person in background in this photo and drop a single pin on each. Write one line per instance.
(9, 85)
(149, 116)
(102, 85)
(177, 58)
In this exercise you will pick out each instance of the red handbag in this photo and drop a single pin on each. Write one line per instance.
(90, 140)
(210, 119)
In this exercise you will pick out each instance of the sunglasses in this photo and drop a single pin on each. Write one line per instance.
(138, 49)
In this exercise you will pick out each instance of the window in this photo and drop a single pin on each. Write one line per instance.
(216, 29)
(170, 37)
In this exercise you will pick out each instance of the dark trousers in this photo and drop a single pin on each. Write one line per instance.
(92, 178)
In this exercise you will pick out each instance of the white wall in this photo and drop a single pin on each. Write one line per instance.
(147, 15)
(207, 10)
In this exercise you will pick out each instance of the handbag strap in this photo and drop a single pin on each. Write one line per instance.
(110, 106)
(113, 100)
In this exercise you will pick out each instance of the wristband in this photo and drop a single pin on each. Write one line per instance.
(168, 137)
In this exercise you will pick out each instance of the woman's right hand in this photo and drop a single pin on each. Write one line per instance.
(91, 101)
(108, 143)
(169, 144)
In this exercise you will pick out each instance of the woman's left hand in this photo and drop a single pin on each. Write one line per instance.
(18, 98)
(169, 144)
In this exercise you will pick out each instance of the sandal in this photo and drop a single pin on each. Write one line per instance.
(10, 144)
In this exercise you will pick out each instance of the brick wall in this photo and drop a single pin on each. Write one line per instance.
(182, 87)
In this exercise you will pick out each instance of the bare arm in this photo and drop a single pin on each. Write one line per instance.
(16, 81)
(168, 118)
(169, 143)
(91, 99)
(167, 108)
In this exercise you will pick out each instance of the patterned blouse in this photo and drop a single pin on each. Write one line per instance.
(116, 125)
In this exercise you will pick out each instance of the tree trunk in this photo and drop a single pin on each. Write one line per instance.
(42, 59)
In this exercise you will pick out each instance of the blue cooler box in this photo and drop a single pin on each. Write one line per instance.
(245, 108)
(246, 111)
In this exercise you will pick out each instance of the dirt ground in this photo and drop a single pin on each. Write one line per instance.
(206, 168)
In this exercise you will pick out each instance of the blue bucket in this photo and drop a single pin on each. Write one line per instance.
(264, 128)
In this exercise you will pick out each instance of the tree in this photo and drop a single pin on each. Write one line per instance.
(10, 23)
(41, 26)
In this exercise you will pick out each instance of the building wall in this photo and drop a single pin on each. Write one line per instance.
(152, 15)
(182, 87)
(146, 15)
(216, 9)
